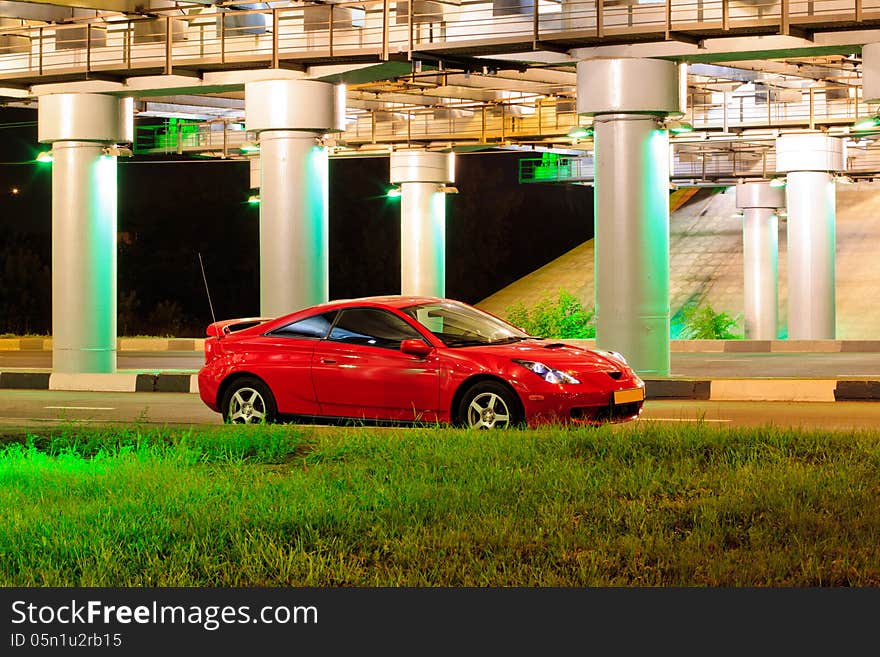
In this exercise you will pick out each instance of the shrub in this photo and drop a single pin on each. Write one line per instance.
(166, 319)
(703, 323)
(561, 317)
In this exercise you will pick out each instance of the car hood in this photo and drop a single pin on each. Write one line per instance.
(556, 355)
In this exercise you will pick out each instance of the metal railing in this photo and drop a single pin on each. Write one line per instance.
(210, 37)
(539, 119)
(826, 104)
(721, 163)
(218, 137)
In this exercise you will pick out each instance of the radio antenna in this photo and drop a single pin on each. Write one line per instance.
(207, 291)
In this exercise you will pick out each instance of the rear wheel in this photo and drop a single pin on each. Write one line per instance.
(489, 405)
(249, 401)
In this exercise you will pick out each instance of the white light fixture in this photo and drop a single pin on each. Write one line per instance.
(117, 151)
(778, 182)
(679, 127)
(581, 132)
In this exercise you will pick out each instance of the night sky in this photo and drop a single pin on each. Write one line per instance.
(170, 211)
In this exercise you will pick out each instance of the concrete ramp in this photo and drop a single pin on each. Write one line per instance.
(706, 261)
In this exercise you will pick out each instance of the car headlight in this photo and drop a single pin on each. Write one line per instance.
(547, 373)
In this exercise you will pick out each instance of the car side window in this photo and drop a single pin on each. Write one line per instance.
(372, 327)
(315, 327)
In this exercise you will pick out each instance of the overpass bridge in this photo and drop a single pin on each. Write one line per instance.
(459, 74)
(623, 94)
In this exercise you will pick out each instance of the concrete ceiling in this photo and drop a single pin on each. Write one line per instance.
(434, 80)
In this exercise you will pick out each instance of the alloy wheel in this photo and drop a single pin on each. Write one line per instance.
(247, 406)
(488, 411)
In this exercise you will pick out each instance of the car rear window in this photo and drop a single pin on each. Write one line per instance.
(315, 327)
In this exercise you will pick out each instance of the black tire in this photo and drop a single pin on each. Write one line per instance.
(249, 401)
(489, 405)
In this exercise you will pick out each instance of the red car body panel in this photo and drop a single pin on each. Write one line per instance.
(375, 383)
(319, 377)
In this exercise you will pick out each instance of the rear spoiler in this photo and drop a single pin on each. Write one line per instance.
(227, 326)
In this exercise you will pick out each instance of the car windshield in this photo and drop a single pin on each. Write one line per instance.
(459, 325)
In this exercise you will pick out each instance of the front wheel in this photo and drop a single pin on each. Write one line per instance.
(249, 401)
(489, 405)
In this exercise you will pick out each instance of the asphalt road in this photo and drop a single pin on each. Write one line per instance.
(714, 365)
(31, 409)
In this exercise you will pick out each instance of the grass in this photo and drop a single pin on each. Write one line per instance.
(631, 505)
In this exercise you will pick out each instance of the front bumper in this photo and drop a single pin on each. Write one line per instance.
(565, 404)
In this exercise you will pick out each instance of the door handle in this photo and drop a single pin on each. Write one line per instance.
(328, 361)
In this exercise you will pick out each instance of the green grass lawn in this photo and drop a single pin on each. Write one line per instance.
(630, 505)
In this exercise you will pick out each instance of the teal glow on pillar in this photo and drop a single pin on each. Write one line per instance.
(318, 201)
(104, 264)
(438, 242)
(422, 240)
(811, 240)
(631, 200)
(83, 258)
(294, 222)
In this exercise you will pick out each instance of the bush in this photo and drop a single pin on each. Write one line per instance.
(703, 323)
(560, 317)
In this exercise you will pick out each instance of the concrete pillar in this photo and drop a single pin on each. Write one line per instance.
(759, 201)
(80, 126)
(810, 160)
(871, 72)
(290, 117)
(421, 176)
(628, 99)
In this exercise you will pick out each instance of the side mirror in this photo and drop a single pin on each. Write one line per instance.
(415, 348)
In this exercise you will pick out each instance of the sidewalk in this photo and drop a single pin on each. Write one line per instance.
(715, 370)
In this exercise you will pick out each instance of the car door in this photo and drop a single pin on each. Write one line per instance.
(283, 359)
(360, 372)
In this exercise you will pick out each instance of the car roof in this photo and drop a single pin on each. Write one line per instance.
(396, 301)
(392, 300)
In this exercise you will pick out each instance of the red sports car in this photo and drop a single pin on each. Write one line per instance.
(409, 359)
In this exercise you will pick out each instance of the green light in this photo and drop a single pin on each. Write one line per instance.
(679, 127)
(580, 132)
(778, 182)
(45, 157)
(250, 147)
(393, 192)
(867, 124)
(253, 199)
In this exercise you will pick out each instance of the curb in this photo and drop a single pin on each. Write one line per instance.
(118, 382)
(761, 346)
(122, 344)
(789, 390)
(675, 346)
